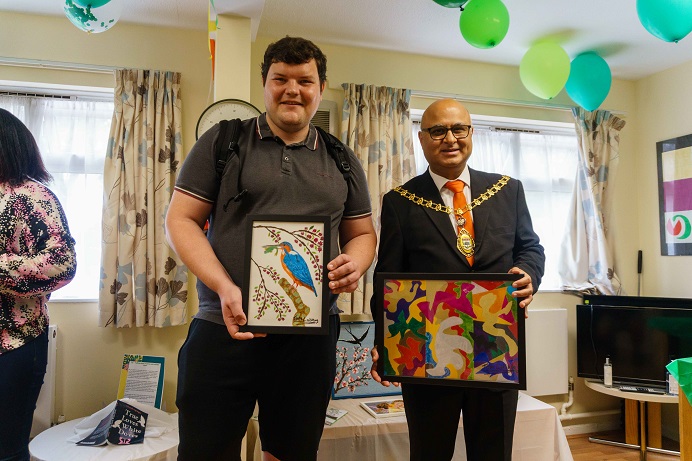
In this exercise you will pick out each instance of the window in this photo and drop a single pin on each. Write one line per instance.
(72, 135)
(543, 156)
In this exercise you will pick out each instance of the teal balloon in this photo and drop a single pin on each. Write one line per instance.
(451, 3)
(484, 23)
(669, 20)
(91, 3)
(589, 80)
(544, 69)
(90, 19)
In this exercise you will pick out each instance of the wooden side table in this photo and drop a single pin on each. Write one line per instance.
(639, 408)
(685, 415)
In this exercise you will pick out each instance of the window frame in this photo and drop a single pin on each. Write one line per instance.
(65, 92)
(499, 123)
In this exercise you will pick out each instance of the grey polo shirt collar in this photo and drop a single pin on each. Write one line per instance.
(263, 131)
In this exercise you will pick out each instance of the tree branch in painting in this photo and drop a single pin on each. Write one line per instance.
(350, 372)
(302, 310)
(265, 298)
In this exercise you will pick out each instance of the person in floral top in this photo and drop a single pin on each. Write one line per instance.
(37, 257)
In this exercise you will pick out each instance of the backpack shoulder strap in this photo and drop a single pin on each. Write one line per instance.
(228, 145)
(338, 152)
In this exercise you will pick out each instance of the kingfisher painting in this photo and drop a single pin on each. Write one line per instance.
(294, 265)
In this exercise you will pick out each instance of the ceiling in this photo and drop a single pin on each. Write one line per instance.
(610, 27)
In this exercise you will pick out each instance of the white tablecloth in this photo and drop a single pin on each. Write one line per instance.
(52, 445)
(357, 436)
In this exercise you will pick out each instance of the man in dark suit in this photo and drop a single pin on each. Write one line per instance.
(493, 233)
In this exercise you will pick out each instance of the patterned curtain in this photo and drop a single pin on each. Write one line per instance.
(586, 258)
(376, 124)
(142, 280)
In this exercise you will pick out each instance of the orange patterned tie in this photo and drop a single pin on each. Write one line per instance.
(465, 235)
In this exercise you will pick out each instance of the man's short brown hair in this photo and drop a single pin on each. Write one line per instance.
(294, 50)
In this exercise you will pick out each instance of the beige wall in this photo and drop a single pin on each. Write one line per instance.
(89, 357)
(125, 46)
(664, 111)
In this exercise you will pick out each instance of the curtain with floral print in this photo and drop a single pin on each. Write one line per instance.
(586, 258)
(376, 124)
(142, 280)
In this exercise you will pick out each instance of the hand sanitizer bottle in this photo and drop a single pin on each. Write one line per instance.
(608, 373)
(671, 382)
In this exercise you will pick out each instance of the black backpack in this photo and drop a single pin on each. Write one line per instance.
(230, 132)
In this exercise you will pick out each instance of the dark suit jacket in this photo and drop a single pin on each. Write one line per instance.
(418, 239)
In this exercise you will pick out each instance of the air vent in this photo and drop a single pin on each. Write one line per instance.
(34, 95)
(321, 119)
(514, 130)
(325, 117)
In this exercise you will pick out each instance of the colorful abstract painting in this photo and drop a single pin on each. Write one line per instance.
(444, 329)
(353, 363)
(284, 289)
(675, 195)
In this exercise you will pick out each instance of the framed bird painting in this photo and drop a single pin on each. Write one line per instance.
(353, 363)
(450, 329)
(284, 290)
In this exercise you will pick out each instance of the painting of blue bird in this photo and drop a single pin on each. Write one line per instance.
(296, 267)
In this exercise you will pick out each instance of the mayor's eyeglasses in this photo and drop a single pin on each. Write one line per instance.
(438, 132)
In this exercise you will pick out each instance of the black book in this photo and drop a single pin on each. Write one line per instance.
(125, 425)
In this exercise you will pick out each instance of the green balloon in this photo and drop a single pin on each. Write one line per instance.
(544, 69)
(451, 3)
(669, 20)
(484, 23)
(91, 3)
(589, 80)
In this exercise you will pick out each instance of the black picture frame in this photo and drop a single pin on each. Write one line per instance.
(285, 289)
(675, 195)
(471, 334)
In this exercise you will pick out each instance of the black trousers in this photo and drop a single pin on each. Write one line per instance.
(432, 412)
(220, 379)
(21, 377)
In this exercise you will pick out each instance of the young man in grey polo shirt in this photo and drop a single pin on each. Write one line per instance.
(285, 169)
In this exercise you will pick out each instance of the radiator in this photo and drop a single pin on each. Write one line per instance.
(44, 416)
(546, 352)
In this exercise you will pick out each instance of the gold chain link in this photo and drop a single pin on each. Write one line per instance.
(492, 190)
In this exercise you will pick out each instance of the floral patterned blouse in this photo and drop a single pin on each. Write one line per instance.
(37, 257)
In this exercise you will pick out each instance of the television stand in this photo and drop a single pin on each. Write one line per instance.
(639, 407)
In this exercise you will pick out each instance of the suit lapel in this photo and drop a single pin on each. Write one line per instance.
(479, 184)
(428, 190)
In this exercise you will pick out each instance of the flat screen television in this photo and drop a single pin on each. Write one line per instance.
(639, 334)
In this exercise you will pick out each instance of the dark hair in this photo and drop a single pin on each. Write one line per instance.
(20, 158)
(294, 50)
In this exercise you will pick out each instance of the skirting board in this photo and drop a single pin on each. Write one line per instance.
(592, 427)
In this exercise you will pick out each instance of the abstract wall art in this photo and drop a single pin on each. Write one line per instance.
(675, 195)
